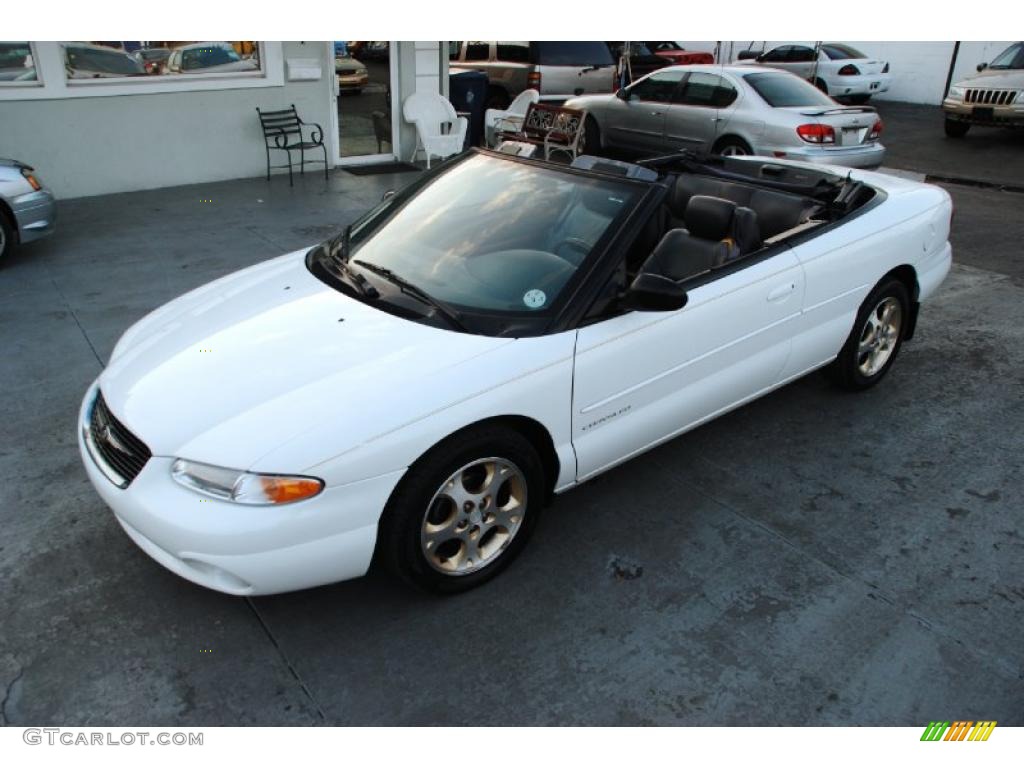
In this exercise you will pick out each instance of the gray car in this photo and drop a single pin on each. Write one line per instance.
(732, 110)
(27, 208)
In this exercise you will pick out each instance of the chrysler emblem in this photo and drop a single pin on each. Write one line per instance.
(110, 439)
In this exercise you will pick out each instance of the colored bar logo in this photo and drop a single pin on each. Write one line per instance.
(960, 730)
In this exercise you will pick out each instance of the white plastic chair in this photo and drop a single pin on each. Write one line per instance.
(439, 129)
(510, 119)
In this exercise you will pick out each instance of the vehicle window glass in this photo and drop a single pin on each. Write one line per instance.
(700, 89)
(784, 90)
(454, 46)
(497, 235)
(800, 53)
(16, 63)
(513, 51)
(660, 86)
(725, 93)
(837, 51)
(1011, 58)
(663, 46)
(571, 54)
(477, 50)
(89, 61)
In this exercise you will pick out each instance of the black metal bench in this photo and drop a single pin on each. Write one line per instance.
(282, 129)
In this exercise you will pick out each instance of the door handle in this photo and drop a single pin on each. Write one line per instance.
(781, 292)
(657, 114)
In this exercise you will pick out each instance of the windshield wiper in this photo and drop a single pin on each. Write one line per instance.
(351, 278)
(449, 314)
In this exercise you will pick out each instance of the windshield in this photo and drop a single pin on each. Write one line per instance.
(784, 90)
(1011, 58)
(497, 235)
(98, 60)
(212, 56)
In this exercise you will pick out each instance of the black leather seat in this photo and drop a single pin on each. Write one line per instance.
(776, 211)
(717, 232)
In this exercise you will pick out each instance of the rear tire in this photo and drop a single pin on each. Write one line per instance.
(464, 510)
(728, 146)
(875, 340)
(956, 129)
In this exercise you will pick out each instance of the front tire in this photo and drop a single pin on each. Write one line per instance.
(875, 340)
(591, 137)
(956, 129)
(6, 237)
(464, 510)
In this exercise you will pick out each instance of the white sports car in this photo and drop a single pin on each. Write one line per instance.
(838, 69)
(501, 330)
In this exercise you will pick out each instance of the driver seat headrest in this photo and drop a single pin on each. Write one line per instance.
(709, 218)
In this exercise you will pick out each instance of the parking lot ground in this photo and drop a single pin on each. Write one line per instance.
(813, 558)
(915, 141)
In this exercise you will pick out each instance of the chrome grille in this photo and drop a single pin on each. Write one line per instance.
(991, 96)
(115, 444)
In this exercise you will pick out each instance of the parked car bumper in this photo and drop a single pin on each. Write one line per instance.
(35, 214)
(858, 85)
(239, 549)
(352, 82)
(1009, 115)
(864, 156)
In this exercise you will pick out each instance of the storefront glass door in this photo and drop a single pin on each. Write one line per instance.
(363, 93)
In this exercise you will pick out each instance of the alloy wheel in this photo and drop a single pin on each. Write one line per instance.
(879, 336)
(473, 516)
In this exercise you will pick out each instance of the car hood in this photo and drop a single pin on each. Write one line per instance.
(994, 78)
(347, 65)
(239, 367)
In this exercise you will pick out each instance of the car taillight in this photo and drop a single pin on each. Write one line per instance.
(849, 69)
(533, 80)
(885, 69)
(816, 133)
(31, 179)
(876, 130)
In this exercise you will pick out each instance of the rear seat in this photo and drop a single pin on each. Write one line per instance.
(776, 211)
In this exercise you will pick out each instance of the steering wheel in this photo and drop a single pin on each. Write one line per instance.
(577, 244)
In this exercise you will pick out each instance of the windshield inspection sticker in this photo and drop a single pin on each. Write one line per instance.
(534, 299)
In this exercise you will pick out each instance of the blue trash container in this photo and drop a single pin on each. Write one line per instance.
(467, 91)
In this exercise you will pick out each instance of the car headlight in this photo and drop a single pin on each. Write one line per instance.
(957, 93)
(244, 487)
(360, 72)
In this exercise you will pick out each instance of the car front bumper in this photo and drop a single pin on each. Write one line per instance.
(36, 215)
(239, 549)
(861, 156)
(1008, 115)
(347, 82)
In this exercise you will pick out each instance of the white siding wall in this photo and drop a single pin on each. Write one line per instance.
(919, 69)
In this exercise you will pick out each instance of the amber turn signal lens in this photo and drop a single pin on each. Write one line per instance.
(281, 490)
(32, 180)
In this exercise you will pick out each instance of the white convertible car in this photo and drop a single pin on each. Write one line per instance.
(501, 330)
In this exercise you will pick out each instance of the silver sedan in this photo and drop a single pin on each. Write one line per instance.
(27, 209)
(732, 110)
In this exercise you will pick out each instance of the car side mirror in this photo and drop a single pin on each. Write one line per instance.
(387, 195)
(982, 66)
(654, 293)
(623, 93)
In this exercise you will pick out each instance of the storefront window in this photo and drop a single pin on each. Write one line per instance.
(145, 60)
(16, 63)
